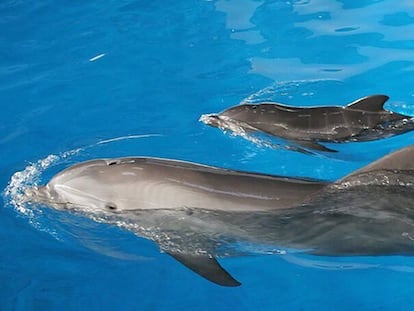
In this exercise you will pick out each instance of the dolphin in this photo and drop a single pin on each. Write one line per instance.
(362, 120)
(198, 213)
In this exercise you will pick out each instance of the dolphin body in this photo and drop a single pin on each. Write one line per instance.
(362, 120)
(198, 213)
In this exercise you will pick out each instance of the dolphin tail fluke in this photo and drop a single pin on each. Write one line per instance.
(372, 103)
(207, 267)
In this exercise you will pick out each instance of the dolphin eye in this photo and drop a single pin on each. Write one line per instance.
(111, 206)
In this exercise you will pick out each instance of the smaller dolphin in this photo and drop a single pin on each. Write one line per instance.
(362, 120)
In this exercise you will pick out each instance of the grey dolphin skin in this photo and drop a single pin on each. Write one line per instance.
(199, 213)
(363, 120)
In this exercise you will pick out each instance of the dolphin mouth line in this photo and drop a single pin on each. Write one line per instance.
(78, 192)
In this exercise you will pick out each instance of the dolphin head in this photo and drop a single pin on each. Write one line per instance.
(95, 186)
(241, 113)
(238, 119)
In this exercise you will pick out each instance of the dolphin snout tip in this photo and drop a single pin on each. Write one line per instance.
(37, 193)
(30, 193)
(210, 119)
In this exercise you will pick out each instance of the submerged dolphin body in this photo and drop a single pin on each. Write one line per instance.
(197, 213)
(363, 120)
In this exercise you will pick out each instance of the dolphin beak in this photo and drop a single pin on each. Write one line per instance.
(38, 194)
(211, 119)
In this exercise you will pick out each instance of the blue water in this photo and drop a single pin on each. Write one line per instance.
(88, 79)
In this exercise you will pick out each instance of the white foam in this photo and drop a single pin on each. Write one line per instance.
(15, 192)
(96, 57)
(111, 140)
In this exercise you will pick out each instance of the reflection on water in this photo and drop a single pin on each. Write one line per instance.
(376, 17)
(323, 39)
(239, 16)
(294, 68)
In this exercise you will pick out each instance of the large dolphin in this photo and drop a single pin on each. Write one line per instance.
(197, 213)
(362, 120)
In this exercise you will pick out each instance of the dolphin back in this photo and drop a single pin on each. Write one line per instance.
(400, 160)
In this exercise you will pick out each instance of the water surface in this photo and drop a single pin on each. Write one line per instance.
(107, 79)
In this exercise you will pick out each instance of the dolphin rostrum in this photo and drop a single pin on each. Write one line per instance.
(363, 120)
(198, 213)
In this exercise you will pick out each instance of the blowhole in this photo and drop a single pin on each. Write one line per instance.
(111, 206)
(113, 162)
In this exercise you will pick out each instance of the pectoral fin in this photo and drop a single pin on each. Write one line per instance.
(207, 267)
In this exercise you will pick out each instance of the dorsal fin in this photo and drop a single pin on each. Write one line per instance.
(370, 103)
(207, 267)
(402, 159)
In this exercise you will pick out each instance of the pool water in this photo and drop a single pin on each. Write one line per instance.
(82, 80)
